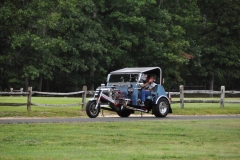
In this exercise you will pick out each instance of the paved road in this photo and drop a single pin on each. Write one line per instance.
(112, 119)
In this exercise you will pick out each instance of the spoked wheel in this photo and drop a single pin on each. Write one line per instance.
(162, 108)
(91, 110)
(124, 113)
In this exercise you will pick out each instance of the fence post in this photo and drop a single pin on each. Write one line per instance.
(170, 96)
(11, 90)
(222, 96)
(84, 94)
(181, 90)
(21, 90)
(29, 98)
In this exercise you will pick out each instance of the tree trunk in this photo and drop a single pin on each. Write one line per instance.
(212, 84)
(204, 21)
(47, 85)
(40, 83)
(26, 84)
(160, 2)
(92, 77)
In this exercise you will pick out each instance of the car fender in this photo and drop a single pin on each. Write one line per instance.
(161, 97)
(90, 100)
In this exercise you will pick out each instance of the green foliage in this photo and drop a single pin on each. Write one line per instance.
(74, 43)
(220, 38)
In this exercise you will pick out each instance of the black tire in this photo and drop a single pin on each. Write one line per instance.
(90, 109)
(161, 109)
(124, 113)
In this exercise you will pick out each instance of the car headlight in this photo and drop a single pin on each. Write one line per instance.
(130, 91)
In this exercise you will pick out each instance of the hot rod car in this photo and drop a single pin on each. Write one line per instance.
(122, 91)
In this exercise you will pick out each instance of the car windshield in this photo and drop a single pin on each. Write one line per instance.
(123, 78)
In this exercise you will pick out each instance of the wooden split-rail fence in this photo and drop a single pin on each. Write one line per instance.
(222, 93)
(29, 94)
(84, 93)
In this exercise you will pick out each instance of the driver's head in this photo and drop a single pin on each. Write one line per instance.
(151, 78)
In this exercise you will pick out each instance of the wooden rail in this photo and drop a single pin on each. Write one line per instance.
(29, 94)
(84, 92)
(222, 93)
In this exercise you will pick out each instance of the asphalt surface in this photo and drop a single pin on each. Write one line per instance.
(112, 119)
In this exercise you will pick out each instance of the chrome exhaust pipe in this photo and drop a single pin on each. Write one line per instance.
(136, 109)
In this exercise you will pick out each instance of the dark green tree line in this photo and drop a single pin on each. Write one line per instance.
(220, 40)
(62, 45)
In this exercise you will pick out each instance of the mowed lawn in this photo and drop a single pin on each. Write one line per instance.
(140, 140)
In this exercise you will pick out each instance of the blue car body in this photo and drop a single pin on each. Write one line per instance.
(122, 93)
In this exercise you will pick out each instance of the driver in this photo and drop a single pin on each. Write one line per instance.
(147, 88)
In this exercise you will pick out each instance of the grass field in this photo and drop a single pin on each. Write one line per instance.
(21, 111)
(140, 140)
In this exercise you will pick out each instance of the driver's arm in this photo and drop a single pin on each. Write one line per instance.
(143, 85)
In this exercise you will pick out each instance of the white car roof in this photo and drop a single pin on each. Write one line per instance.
(136, 70)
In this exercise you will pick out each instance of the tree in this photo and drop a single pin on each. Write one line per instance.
(186, 16)
(51, 37)
(32, 49)
(50, 44)
(143, 34)
(220, 39)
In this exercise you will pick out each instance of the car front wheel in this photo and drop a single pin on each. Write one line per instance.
(91, 109)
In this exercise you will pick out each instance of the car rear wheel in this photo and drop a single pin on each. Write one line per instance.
(124, 113)
(161, 109)
(91, 109)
